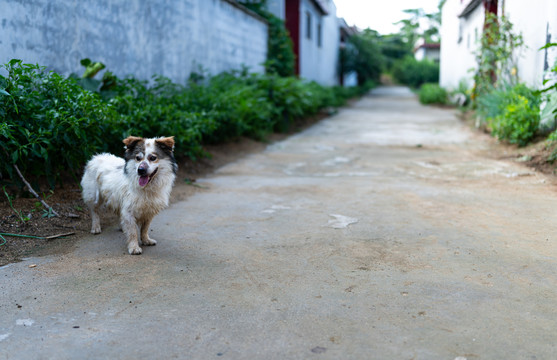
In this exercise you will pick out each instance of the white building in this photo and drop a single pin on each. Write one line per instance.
(315, 33)
(429, 51)
(462, 26)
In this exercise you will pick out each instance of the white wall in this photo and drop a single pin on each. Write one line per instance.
(534, 22)
(319, 63)
(459, 40)
(143, 38)
(426, 53)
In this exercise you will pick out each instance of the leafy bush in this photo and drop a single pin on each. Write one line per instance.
(414, 73)
(280, 50)
(363, 55)
(432, 94)
(496, 56)
(512, 114)
(51, 125)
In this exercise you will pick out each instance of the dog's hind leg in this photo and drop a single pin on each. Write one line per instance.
(145, 239)
(129, 227)
(95, 219)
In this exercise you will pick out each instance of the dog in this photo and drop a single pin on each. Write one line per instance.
(136, 187)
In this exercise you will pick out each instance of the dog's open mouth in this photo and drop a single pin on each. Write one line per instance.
(145, 179)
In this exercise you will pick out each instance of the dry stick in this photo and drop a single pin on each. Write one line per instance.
(30, 188)
(59, 235)
(33, 191)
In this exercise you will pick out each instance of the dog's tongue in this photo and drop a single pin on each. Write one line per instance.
(143, 180)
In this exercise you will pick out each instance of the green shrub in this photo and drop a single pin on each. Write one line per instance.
(51, 125)
(362, 55)
(432, 94)
(512, 114)
(280, 50)
(414, 73)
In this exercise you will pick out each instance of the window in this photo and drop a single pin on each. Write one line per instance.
(319, 35)
(308, 25)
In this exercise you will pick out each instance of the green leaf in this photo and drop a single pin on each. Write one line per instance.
(548, 45)
(14, 157)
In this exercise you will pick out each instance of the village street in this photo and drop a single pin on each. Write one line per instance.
(386, 231)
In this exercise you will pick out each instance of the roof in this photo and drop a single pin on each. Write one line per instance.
(321, 6)
(433, 46)
(472, 5)
(345, 29)
(430, 45)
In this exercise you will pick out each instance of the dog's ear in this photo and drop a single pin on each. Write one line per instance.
(131, 141)
(166, 143)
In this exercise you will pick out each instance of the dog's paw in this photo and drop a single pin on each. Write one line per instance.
(96, 229)
(149, 242)
(135, 250)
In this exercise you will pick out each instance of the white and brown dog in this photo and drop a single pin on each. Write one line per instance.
(136, 188)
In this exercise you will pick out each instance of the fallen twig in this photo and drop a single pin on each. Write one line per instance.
(31, 190)
(39, 237)
(59, 235)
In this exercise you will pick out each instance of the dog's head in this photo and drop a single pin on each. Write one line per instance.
(149, 158)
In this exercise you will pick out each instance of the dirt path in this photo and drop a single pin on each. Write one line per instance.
(384, 232)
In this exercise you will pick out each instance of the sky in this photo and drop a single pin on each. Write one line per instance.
(380, 14)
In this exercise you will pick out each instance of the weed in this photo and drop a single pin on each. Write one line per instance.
(19, 213)
(432, 94)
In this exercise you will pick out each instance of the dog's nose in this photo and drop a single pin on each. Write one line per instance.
(142, 170)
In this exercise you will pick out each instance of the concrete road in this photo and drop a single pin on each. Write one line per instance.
(383, 232)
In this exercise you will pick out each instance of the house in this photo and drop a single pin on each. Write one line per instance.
(346, 79)
(315, 33)
(462, 24)
(425, 50)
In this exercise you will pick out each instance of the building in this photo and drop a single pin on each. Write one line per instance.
(462, 24)
(315, 32)
(346, 79)
(429, 51)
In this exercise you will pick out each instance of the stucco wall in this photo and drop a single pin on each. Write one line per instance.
(535, 23)
(167, 37)
(459, 41)
(319, 63)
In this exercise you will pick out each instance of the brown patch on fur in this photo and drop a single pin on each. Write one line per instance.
(167, 142)
(130, 141)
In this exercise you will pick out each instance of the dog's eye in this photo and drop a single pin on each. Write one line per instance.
(138, 157)
(152, 158)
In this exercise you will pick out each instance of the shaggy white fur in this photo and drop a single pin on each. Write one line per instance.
(136, 188)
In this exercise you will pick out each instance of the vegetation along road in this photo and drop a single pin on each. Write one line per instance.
(386, 231)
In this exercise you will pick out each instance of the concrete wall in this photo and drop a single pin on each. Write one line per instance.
(142, 38)
(459, 40)
(319, 62)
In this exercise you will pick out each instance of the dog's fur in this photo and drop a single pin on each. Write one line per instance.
(136, 188)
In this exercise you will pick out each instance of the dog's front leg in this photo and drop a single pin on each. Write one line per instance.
(145, 239)
(129, 227)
